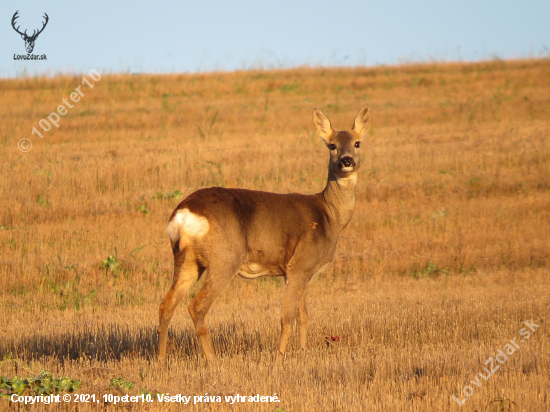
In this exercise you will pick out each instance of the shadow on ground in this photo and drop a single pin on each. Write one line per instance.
(114, 342)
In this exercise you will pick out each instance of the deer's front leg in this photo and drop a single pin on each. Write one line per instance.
(295, 290)
(303, 320)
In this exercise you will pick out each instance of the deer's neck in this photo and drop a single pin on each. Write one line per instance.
(339, 195)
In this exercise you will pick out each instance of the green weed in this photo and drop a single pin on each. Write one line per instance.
(43, 384)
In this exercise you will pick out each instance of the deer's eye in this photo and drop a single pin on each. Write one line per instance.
(332, 146)
(357, 144)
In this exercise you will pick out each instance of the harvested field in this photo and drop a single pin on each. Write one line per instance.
(446, 256)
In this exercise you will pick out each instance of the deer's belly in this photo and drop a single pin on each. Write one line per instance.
(255, 270)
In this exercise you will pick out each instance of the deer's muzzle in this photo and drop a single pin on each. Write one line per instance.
(346, 162)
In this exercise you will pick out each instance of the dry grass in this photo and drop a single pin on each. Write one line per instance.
(446, 255)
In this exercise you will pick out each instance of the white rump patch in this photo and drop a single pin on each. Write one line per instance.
(192, 225)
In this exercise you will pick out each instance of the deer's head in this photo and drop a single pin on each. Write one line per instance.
(29, 40)
(343, 145)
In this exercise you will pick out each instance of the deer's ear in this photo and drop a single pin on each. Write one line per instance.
(23, 36)
(322, 125)
(362, 122)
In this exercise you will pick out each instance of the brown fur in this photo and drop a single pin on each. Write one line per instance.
(254, 233)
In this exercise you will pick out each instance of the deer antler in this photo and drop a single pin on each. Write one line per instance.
(15, 16)
(34, 36)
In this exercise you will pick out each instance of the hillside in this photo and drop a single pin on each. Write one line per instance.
(445, 257)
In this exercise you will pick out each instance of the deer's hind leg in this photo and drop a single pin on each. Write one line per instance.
(217, 279)
(186, 273)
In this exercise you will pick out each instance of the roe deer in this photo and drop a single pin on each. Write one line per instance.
(224, 232)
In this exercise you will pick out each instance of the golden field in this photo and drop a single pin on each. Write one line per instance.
(446, 256)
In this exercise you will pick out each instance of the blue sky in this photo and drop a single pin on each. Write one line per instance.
(182, 36)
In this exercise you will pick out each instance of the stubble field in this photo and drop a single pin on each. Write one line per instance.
(445, 258)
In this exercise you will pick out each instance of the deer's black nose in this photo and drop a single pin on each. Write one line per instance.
(347, 161)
